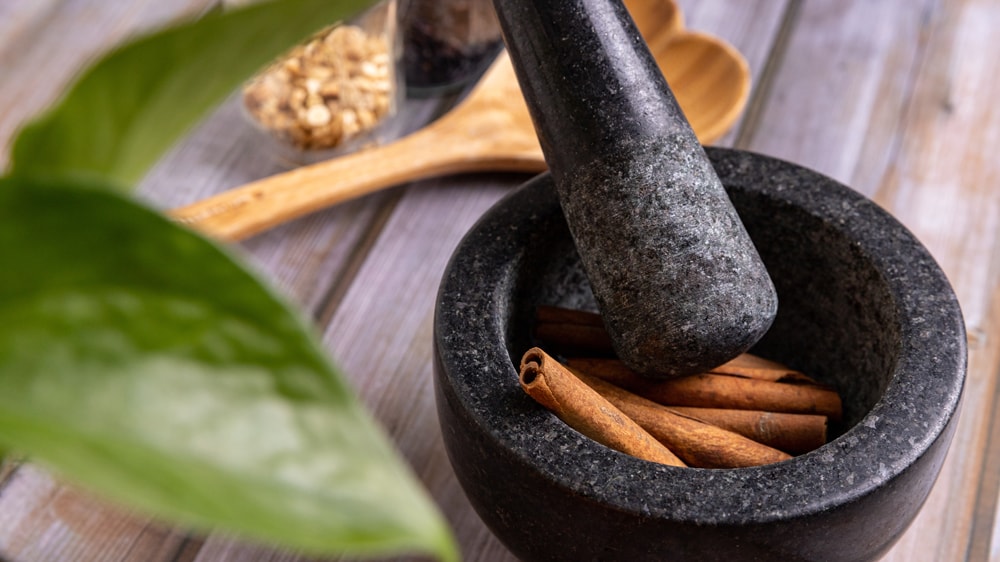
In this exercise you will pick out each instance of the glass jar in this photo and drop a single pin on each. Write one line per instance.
(447, 44)
(335, 92)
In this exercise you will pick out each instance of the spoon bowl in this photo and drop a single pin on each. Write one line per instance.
(700, 73)
(489, 131)
(658, 21)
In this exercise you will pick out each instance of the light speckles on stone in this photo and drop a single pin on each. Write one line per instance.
(842, 319)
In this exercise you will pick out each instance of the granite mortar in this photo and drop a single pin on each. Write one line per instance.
(863, 307)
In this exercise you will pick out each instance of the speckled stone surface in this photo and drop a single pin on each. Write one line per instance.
(863, 307)
(680, 285)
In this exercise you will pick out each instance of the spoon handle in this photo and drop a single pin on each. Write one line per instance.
(257, 206)
(440, 149)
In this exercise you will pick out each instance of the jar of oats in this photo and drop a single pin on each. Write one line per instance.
(332, 93)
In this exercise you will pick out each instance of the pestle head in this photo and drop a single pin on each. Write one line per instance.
(679, 283)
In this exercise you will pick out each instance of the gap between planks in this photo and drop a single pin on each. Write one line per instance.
(8, 466)
(334, 296)
(984, 512)
(760, 94)
(188, 550)
(985, 533)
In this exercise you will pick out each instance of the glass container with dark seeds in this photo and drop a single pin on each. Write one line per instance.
(447, 44)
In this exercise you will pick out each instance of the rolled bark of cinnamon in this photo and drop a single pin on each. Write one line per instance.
(586, 411)
(582, 333)
(572, 331)
(753, 367)
(791, 433)
(697, 443)
(718, 391)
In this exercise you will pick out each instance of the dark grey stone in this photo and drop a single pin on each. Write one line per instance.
(679, 283)
(863, 307)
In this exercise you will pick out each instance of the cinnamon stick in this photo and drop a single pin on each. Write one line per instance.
(697, 443)
(583, 409)
(572, 331)
(753, 367)
(791, 433)
(718, 391)
(579, 332)
(749, 360)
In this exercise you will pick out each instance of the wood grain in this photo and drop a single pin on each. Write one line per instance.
(839, 86)
(46, 42)
(941, 184)
(753, 27)
(44, 519)
(892, 99)
(895, 98)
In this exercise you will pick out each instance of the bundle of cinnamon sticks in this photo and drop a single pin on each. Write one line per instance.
(748, 412)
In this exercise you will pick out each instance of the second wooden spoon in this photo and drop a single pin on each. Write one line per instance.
(489, 131)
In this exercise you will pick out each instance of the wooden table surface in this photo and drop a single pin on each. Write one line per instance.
(896, 98)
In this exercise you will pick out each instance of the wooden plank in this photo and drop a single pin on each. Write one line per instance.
(381, 334)
(751, 27)
(17, 21)
(303, 258)
(984, 542)
(894, 99)
(839, 88)
(942, 185)
(44, 520)
(216, 550)
(53, 40)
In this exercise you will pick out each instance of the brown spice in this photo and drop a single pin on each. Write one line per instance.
(586, 411)
(326, 91)
(718, 391)
(746, 412)
(572, 331)
(697, 443)
(792, 433)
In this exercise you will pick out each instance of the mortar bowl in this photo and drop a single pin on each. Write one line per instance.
(862, 306)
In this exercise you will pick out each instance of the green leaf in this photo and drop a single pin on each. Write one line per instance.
(132, 105)
(138, 359)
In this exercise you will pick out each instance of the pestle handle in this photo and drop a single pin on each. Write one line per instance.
(679, 283)
(592, 91)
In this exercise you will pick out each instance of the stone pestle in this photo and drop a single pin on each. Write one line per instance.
(680, 285)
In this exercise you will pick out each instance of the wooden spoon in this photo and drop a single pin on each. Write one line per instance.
(658, 21)
(710, 80)
(489, 131)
